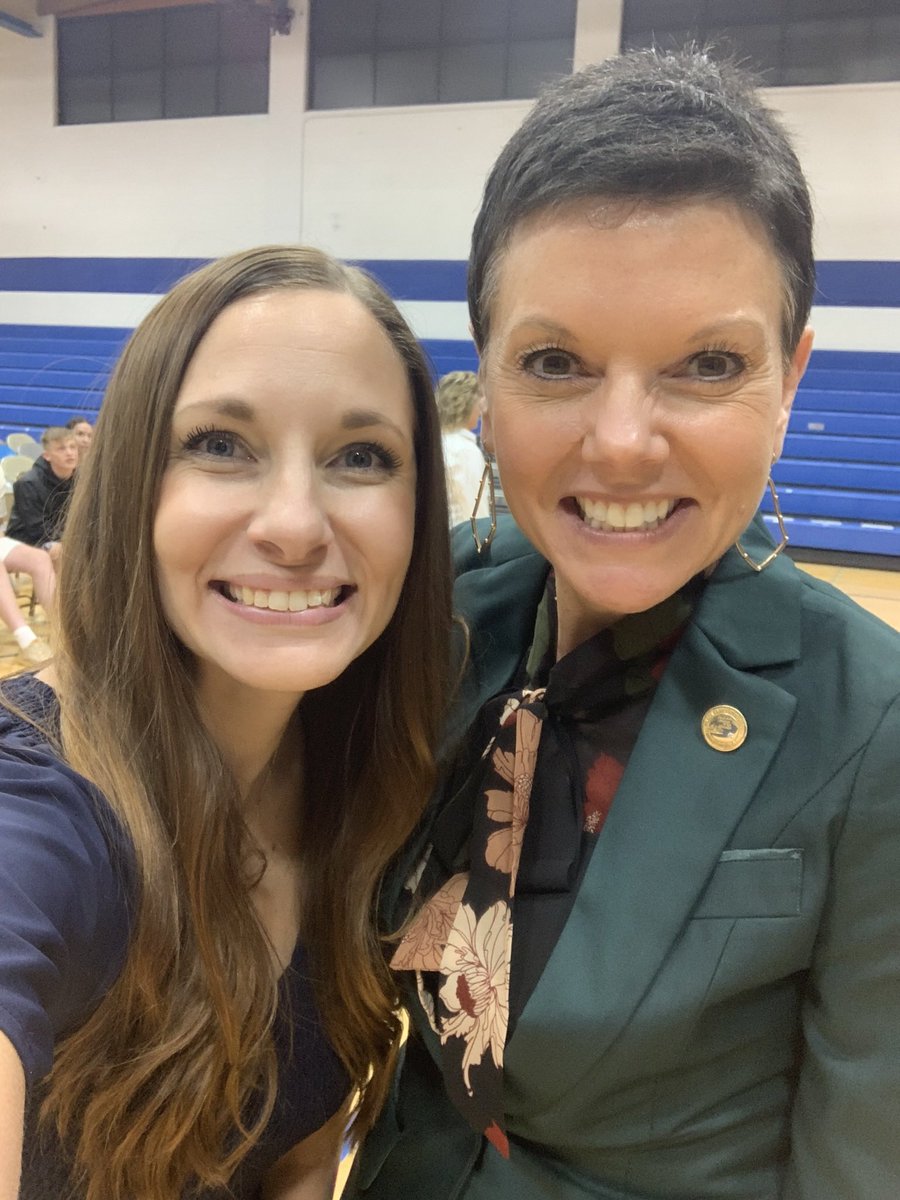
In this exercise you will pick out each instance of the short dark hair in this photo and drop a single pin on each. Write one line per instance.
(74, 422)
(652, 127)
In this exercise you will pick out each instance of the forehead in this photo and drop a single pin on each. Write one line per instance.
(610, 248)
(299, 347)
(61, 443)
(333, 329)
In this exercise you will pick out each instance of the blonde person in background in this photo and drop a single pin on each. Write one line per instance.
(41, 496)
(458, 399)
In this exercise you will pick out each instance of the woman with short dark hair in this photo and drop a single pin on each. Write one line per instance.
(650, 929)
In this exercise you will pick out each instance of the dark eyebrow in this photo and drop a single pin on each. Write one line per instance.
(237, 410)
(365, 418)
(240, 410)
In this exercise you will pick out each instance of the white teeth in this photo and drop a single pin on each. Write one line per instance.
(298, 601)
(617, 518)
(634, 516)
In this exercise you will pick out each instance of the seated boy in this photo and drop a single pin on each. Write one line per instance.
(41, 495)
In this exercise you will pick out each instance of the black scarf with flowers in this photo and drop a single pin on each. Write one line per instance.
(510, 849)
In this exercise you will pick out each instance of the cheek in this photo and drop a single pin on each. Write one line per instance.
(404, 524)
(182, 530)
(527, 445)
(380, 528)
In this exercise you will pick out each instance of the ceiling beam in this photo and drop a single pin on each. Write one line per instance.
(21, 16)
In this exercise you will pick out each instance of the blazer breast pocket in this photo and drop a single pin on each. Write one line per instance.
(754, 883)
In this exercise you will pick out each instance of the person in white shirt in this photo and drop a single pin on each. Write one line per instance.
(458, 398)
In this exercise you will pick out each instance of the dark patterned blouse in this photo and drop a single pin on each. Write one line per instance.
(510, 848)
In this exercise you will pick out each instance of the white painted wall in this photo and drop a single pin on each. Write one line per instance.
(185, 188)
(400, 182)
(848, 140)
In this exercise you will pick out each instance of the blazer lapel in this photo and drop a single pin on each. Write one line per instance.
(676, 808)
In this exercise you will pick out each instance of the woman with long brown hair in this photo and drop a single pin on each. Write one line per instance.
(199, 796)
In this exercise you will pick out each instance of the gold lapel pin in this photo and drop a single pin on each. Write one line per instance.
(724, 727)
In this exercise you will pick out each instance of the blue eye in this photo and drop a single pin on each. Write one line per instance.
(215, 443)
(368, 457)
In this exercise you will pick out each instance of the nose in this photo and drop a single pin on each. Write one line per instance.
(291, 522)
(623, 436)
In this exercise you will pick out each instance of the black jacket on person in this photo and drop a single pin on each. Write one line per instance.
(40, 499)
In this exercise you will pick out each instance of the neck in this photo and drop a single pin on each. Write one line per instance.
(247, 728)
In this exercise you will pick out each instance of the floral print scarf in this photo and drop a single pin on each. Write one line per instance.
(460, 941)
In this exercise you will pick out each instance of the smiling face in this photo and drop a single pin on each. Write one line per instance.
(636, 396)
(285, 521)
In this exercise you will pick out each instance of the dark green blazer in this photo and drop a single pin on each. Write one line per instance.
(721, 1015)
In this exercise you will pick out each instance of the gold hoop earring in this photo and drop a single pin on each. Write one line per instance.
(781, 529)
(487, 481)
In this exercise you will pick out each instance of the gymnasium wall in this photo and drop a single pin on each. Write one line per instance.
(97, 220)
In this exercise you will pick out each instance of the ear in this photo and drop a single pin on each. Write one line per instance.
(790, 383)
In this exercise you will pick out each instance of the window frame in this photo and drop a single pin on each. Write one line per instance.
(216, 58)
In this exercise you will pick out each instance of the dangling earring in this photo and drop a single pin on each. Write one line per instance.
(781, 529)
(487, 481)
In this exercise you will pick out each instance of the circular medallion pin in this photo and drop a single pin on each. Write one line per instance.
(724, 727)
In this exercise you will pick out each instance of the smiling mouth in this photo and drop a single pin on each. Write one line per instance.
(624, 518)
(283, 601)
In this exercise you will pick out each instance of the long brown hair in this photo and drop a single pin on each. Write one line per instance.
(173, 1077)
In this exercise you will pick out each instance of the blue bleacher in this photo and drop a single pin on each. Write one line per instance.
(49, 373)
(839, 477)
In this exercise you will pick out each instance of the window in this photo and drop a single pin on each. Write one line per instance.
(200, 61)
(786, 41)
(378, 52)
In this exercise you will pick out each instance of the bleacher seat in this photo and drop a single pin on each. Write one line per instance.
(839, 476)
(51, 373)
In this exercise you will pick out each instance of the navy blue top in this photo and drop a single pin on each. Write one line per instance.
(64, 926)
